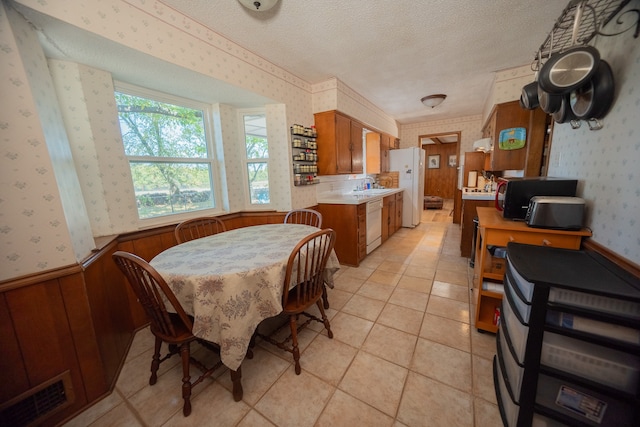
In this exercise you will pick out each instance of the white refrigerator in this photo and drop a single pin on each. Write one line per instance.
(409, 162)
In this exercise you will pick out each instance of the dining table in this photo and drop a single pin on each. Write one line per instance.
(231, 281)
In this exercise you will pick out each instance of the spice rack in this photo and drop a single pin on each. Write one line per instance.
(305, 155)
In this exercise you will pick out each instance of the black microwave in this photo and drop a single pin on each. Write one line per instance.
(513, 194)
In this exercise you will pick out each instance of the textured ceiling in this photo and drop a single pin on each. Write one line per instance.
(392, 52)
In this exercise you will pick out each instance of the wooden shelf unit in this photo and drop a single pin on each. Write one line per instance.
(493, 230)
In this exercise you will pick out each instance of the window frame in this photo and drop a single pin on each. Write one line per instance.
(211, 160)
(246, 161)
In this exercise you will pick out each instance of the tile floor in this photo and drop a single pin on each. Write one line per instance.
(404, 353)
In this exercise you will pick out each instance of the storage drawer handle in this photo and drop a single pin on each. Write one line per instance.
(546, 242)
(511, 239)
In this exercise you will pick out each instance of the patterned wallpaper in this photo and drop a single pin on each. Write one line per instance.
(41, 215)
(606, 161)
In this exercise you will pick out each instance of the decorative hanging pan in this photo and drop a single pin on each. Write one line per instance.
(568, 70)
(593, 99)
(530, 96)
(564, 113)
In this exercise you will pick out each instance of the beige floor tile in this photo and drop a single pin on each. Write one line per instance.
(348, 283)
(136, 372)
(143, 341)
(446, 263)
(346, 411)
(392, 266)
(446, 331)
(483, 379)
(420, 271)
(254, 419)
(418, 284)
(375, 381)
(445, 364)
(458, 277)
(121, 415)
(96, 411)
(483, 344)
(410, 299)
(385, 278)
(350, 329)
(447, 290)
(310, 394)
(402, 318)
(390, 344)
(425, 259)
(359, 273)
(373, 260)
(258, 374)
(428, 403)
(375, 291)
(337, 298)
(364, 307)
(486, 414)
(213, 407)
(448, 308)
(327, 359)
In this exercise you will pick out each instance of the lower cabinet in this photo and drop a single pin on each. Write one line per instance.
(568, 346)
(468, 213)
(391, 214)
(350, 224)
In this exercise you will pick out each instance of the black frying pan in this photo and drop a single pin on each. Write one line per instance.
(564, 113)
(549, 103)
(593, 99)
(529, 97)
(569, 70)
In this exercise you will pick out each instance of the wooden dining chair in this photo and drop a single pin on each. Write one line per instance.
(175, 329)
(302, 288)
(304, 216)
(198, 227)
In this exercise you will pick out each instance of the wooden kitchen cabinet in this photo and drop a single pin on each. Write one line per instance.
(339, 144)
(399, 211)
(494, 230)
(350, 224)
(510, 115)
(385, 146)
(466, 221)
(388, 216)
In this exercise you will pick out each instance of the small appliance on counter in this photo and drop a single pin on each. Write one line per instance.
(513, 194)
(556, 212)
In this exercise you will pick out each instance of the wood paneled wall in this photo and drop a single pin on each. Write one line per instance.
(80, 320)
(441, 181)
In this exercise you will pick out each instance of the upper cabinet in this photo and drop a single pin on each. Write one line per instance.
(339, 144)
(385, 146)
(510, 115)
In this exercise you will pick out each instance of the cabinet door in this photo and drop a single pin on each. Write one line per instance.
(362, 231)
(399, 210)
(356, 147)
(509, 115)
(392, 215)
(386, 218)
(385, 145)
(343, 145)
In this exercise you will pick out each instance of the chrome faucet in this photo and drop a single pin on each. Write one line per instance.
(373, 181)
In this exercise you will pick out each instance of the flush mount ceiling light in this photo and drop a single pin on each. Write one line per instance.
(258, 5)
(433, 100)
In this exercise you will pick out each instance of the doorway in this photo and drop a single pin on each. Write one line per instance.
(442, 152)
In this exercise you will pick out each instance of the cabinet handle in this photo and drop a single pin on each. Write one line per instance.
(511, 239)
(546, 242)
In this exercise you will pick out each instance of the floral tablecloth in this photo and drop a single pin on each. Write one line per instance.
(232, 281)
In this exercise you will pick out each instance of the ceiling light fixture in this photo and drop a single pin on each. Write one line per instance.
(433, 100)
(258, 5)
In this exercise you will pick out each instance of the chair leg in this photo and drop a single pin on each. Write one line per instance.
(294, 341)
(236, 377)
(186, 379)
(155, 362)
(325, 299)
(325, 320)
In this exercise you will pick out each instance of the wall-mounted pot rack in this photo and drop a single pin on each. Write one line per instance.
(582, 20)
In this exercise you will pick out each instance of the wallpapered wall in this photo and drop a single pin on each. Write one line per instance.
(42, 224)
(606, 161)
(45, 225)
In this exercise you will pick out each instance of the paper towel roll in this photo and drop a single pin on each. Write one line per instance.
(473, 179)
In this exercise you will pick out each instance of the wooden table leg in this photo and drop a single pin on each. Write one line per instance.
(236, 377)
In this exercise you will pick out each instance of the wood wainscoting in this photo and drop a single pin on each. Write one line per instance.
(78, 322)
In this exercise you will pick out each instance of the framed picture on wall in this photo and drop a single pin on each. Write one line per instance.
(433, 161)
(453, 160)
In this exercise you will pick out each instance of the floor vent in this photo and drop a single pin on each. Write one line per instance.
(38, 403)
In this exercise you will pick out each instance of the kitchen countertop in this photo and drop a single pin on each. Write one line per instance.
(469, 194)
(357, 197)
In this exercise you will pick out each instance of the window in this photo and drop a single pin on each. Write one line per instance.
(256, 157)
(169, 152)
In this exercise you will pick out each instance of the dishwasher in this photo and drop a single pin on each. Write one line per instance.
(374, 224)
